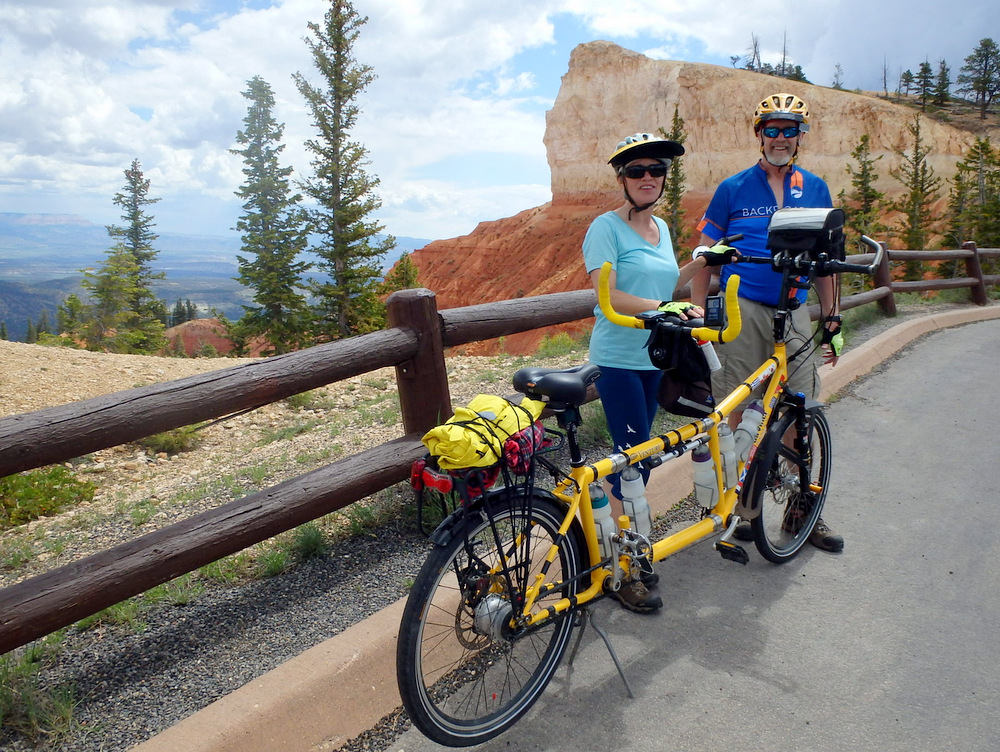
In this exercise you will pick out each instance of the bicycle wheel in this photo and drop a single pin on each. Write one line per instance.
(466, 673)
(790, 487)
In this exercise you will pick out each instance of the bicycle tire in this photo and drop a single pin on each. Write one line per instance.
(788, 512)
(464, 676)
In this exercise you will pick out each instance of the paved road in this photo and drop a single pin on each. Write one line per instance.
(892, 645)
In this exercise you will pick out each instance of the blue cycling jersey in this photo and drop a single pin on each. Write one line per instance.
(744, 204)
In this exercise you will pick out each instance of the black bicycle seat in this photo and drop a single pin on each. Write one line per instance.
(557, 385)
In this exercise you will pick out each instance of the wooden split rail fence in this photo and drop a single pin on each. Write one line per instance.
(414, 344)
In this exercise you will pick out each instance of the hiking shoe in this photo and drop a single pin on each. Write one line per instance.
(825, 539)
(634, 596)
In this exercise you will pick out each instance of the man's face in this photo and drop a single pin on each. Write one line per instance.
(778, 149)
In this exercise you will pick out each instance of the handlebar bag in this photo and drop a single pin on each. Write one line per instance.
(799, 230)
(686, 385)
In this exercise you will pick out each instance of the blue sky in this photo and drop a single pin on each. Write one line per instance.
(453, 124)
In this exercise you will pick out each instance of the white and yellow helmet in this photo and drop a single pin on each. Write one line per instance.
(781, 106)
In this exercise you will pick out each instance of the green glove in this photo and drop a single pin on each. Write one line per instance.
(717, 255)
(837, 342)
(675, 307)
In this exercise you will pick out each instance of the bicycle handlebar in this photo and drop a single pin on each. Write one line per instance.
(703, 333)
(843, 266)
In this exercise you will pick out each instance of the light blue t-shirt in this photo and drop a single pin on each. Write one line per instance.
(643, 269)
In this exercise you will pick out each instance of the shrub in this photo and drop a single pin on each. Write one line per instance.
(38, 493)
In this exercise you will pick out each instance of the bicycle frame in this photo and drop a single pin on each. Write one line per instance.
(575, 491)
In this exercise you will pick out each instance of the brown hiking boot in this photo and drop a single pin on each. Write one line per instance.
(825, 539)
(634, 596)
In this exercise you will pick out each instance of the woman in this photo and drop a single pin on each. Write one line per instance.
(644, 277)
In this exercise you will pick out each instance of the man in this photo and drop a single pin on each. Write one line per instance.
(744, 204)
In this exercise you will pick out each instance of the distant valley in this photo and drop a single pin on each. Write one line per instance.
(41, 256)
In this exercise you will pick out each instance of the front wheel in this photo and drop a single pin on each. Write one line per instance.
(466, 670)
(789, 483)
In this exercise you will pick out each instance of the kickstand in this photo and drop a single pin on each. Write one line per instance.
(585, 615)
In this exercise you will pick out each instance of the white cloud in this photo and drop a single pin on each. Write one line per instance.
(453, 123)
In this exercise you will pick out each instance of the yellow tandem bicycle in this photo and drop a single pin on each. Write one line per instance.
(515, 568)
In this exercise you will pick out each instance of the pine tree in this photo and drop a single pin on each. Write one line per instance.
(672, 210)
(974, 200)
(922, 185)
(273, 230)
(112, 290)
(942, 85)
(402, 276)
(866, 203)
(31, 337)
(906, 82)
(3, 331)
(838, 77)
(349, 250)
(43, 326)
(925, 83)
(72, 316)
(147, 314)
(980, 76)
(190, 311)
(178, 315)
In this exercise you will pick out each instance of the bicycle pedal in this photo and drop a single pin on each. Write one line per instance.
(732, 552)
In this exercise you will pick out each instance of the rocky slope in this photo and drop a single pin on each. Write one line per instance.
(610, 92)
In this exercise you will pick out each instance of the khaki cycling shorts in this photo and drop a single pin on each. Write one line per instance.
(743, 356)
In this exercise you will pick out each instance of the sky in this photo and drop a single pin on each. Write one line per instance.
(453, 123)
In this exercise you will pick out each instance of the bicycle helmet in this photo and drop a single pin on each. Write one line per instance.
(781, 106)
(641, 145)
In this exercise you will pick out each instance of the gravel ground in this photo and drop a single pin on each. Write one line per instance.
(131, 681)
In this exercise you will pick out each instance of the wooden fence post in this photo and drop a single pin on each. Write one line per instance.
(422, 381)
(974, 269)
(883, 278)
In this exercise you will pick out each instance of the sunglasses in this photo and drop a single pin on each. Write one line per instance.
(635, 172)
(772, 131)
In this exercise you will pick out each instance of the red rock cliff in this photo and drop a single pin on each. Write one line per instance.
(610, 92)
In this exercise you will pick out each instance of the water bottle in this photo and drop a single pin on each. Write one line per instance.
(604, 523)
(705, 489)
(634, 502)
(711, 356)
(727, 448)
(746, 432)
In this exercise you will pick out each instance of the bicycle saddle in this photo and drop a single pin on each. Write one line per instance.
(557, 385)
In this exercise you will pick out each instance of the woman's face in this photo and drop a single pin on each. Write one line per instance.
(644, 188)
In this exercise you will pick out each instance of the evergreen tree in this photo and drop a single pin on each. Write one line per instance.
(72, 316)
(672, 210)
(178, 315)
(942, 85)
(43, 326)
(906, 82)
(3, 331)
(190, 310)
(31, 337)
(273, 230)
(348, 247)
(922, 185)
(136, 236)
(402, 276)
(980, 76)
(925, 83)
(112, 290)
(974, 200)
(866, 203)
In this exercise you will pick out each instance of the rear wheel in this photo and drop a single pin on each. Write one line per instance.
(789, 484)
(466, 670)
